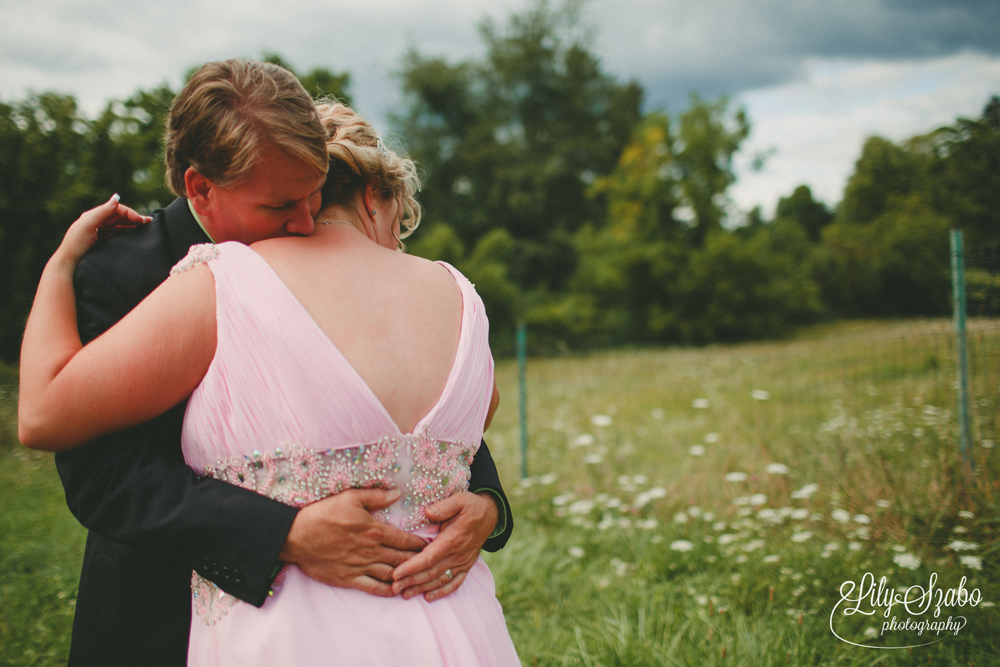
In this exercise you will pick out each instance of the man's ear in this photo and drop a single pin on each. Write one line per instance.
(199, 191)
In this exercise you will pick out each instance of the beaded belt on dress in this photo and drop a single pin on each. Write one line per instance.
(424, 469)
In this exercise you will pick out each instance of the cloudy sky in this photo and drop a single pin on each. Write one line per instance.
(816, 76)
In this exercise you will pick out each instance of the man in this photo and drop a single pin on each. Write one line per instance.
(245, 153)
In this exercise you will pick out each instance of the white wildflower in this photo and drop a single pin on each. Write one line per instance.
(741, 500)
(753, 545)
(758, 499)
(700, 403)
(966, 514)
(973, 562)
(593, 459)
(681, 517)
(871, 633)
(760, 395)
(805, 492)
(639, 479)
(727, 538)
(736, 477)
(777, 469)
(898, 548)
(576, 552)
(841, 516)
(959, 545)
(770, 516)
(712, 438)
(742, 558)
(647, 524)
(583, 440)
(694, 511)
(862, 519)
(801, 536)
(696, 450)
(648, 496)
(883, 503)
(987, 444)
(961, 530)
(581, 507)
(831, 546)
(562, 499)
(681, 545)
(773, 558)
(800, 514)
(620, 567)
(907, 560)
(601, 420)
(547, 479)
(719, 525)
(855, 546)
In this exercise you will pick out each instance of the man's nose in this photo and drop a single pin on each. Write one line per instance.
(301, 222)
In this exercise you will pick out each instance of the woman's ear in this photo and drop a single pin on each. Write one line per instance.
(370, 199)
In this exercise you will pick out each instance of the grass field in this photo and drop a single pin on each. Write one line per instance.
(688, 506)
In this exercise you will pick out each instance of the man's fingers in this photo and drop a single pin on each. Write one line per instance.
(447, 589)
(375, 499)
(445, 509)
(422, 562)
(372, 586)
(436, 588)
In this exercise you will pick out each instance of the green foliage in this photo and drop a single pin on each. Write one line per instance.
(812, 216)
(887, 251)
(512, 141)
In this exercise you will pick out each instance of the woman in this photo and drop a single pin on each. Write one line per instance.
(313, 364)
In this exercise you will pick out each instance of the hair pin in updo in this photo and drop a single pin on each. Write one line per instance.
(379, 145)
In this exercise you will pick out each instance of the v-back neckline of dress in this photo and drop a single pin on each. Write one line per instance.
(314, 325)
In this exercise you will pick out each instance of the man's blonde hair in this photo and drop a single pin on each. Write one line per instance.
(227, 111)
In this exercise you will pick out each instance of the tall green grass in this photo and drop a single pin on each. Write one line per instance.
(685, 506)
(41, 548)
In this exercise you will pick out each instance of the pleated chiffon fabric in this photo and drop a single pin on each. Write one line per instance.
(282, 411)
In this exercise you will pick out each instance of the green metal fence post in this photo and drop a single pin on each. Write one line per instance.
(958, 296)
(523, 395)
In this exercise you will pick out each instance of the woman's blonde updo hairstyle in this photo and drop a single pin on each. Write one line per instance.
(358, 157)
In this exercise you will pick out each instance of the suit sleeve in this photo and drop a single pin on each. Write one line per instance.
(133, 486)
(484, 477)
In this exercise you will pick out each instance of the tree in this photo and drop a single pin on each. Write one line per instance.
(970, 174)
(800, 207)
(513, 141)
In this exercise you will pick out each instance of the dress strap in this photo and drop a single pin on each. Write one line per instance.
(197, 254)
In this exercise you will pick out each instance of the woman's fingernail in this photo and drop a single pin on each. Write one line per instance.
(116, 198)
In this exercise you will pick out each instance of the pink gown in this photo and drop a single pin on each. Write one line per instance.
(282, 412)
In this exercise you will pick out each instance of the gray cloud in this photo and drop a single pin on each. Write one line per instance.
(718, 46)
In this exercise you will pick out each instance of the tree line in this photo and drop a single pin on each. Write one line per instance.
(573, 210)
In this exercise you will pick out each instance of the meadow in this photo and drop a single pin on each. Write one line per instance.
(688, 506)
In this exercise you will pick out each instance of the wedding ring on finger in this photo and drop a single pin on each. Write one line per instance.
(448, 573)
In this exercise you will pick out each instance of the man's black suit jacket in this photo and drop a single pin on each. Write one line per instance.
(152, 520)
